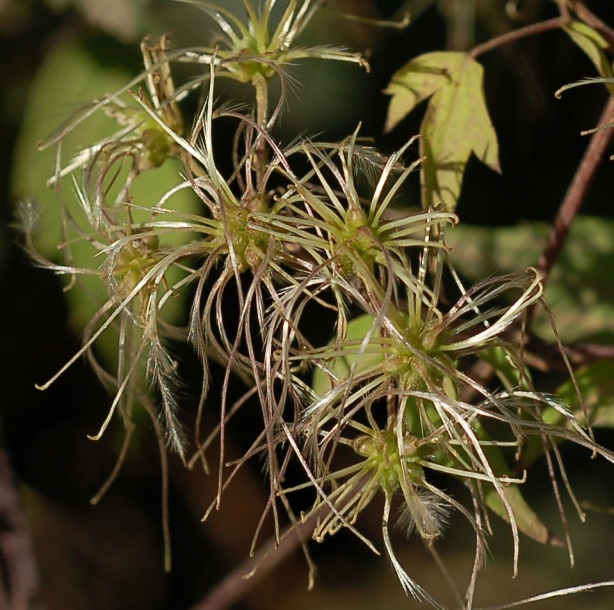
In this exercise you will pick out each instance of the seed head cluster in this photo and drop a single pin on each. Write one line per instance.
(297, 241)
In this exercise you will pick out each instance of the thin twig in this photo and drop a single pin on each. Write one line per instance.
(16, 554)
(529, 30)
(241, 580)
(591, 19)
(583, 13)
(576, 193)
(579, 354)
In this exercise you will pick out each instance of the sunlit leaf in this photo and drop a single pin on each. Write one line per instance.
(417, 80)
(456, 124)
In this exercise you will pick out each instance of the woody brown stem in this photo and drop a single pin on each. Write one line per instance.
(576, 193)
(513, 36)
(241, 580)
(21, 586)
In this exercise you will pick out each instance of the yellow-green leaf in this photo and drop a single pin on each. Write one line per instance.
(418, 80)
(341, 366)
(593, 44)
(526, 519)
(456, 124)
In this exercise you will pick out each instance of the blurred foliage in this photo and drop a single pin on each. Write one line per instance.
(578, 291)
(596, 382)
(125, 20)
(73, 65)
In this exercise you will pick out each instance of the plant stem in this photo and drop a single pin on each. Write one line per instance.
(597, 24)
(576, 193)
(529, 30)
(239, 582)
(20, 588)
(261, 86)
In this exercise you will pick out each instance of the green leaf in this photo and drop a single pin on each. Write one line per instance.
(71, 76)
(593, 45)
(526, 519)
(418, 80)
(341, 367)
(478, 251)
(596, 382)
(456, 124)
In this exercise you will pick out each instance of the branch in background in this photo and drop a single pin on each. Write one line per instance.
(579, 354)
(583, 13)
(599, 141)
(514, 35)
(576, 194)
(21, 586)
(240, 581)
(591, 19)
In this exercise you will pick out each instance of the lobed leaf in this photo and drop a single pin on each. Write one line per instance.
(456, 123)
(418, 80)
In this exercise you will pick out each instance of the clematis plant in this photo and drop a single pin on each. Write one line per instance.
(292, 233)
